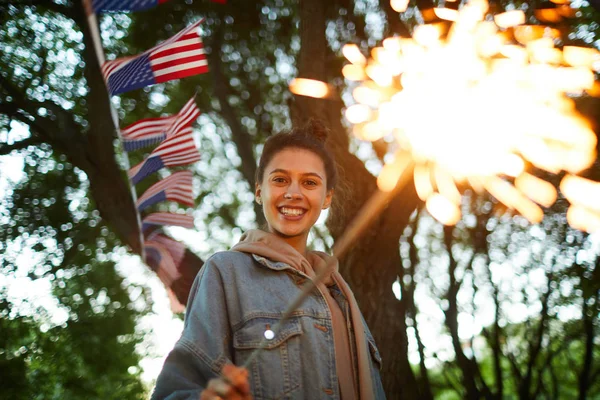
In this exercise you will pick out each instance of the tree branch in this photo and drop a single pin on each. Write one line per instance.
(469, 368)
(23, 144)
(535, 347)
(240, 136)
(47, 4)
(588, 328)
(565, 342)
(409, 293)
(57, 128)
(517, 376)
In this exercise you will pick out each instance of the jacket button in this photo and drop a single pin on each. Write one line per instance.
(321, 327)
(328, 391)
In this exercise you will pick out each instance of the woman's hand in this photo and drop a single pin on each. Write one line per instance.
(233, 385)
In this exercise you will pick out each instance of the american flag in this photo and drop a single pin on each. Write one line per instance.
(103, 6)
(176, 187)
(176, 150)
(177, 249)
(178, 57)
(150, 131)
(161, 261)
(165, 218)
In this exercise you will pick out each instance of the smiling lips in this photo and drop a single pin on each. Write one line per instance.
(292, 211)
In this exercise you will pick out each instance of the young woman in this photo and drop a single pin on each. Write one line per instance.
(325, 350)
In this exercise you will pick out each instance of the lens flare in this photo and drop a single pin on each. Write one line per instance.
(310, 88)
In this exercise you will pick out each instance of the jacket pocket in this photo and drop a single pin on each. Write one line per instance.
(275, 372)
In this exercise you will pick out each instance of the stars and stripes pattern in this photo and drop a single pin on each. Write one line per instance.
(174, 151)
(176, 249)
(178, 57)
(112, 6)
(166, 218)
(161, 261)
(150, 131)
(176, 187)
(104, 6)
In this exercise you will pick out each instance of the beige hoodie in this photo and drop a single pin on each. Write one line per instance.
(276, 249)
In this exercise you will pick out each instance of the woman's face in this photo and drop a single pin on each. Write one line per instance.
(293, 192)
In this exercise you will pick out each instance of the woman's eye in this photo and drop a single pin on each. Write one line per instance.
(279, 179)
(311, 183)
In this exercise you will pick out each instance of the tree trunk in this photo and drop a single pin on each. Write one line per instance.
(588, 329)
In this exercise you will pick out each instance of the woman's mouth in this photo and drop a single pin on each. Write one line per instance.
(292, 211)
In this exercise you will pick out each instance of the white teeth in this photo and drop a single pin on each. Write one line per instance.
(291, 211)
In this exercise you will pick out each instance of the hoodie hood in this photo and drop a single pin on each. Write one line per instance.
(274, 248)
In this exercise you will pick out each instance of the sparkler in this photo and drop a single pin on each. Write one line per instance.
(477, 103)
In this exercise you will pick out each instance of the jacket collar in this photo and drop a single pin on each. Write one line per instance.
(273, 265)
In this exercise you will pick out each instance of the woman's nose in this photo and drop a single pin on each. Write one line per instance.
(293, 192)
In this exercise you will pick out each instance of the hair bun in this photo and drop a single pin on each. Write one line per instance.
(316, 128)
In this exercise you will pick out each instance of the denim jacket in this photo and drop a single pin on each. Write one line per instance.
(235, 298)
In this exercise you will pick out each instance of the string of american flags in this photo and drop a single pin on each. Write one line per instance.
(178, 57)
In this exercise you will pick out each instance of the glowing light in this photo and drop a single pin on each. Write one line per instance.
(551, 15)
(391, 172)
(575, 79)
(536, 189)
(581, 191)
(527, 33)
(510, 18)
(473, 106)
(507, 194)
(392, 44)
(582, 57)
(379, 75)
(399, 5)
(423, 182)
(583, 219)
(367, 95)
(446, 186)
(371, 131)
(515, 53)
(310, 88)
(353, 54)
(354, 72)
(427, 35)
(447, 14)
(513, 165)
(358, 113)
(443, 209)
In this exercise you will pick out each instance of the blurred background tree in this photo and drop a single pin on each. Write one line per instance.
(496, 288)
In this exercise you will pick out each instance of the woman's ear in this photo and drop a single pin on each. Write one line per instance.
(257, 192)
(328, 198)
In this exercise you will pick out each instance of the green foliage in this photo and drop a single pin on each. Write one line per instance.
(82, 345)
(529, 290)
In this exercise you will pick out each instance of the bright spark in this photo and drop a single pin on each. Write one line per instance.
(478, 105)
